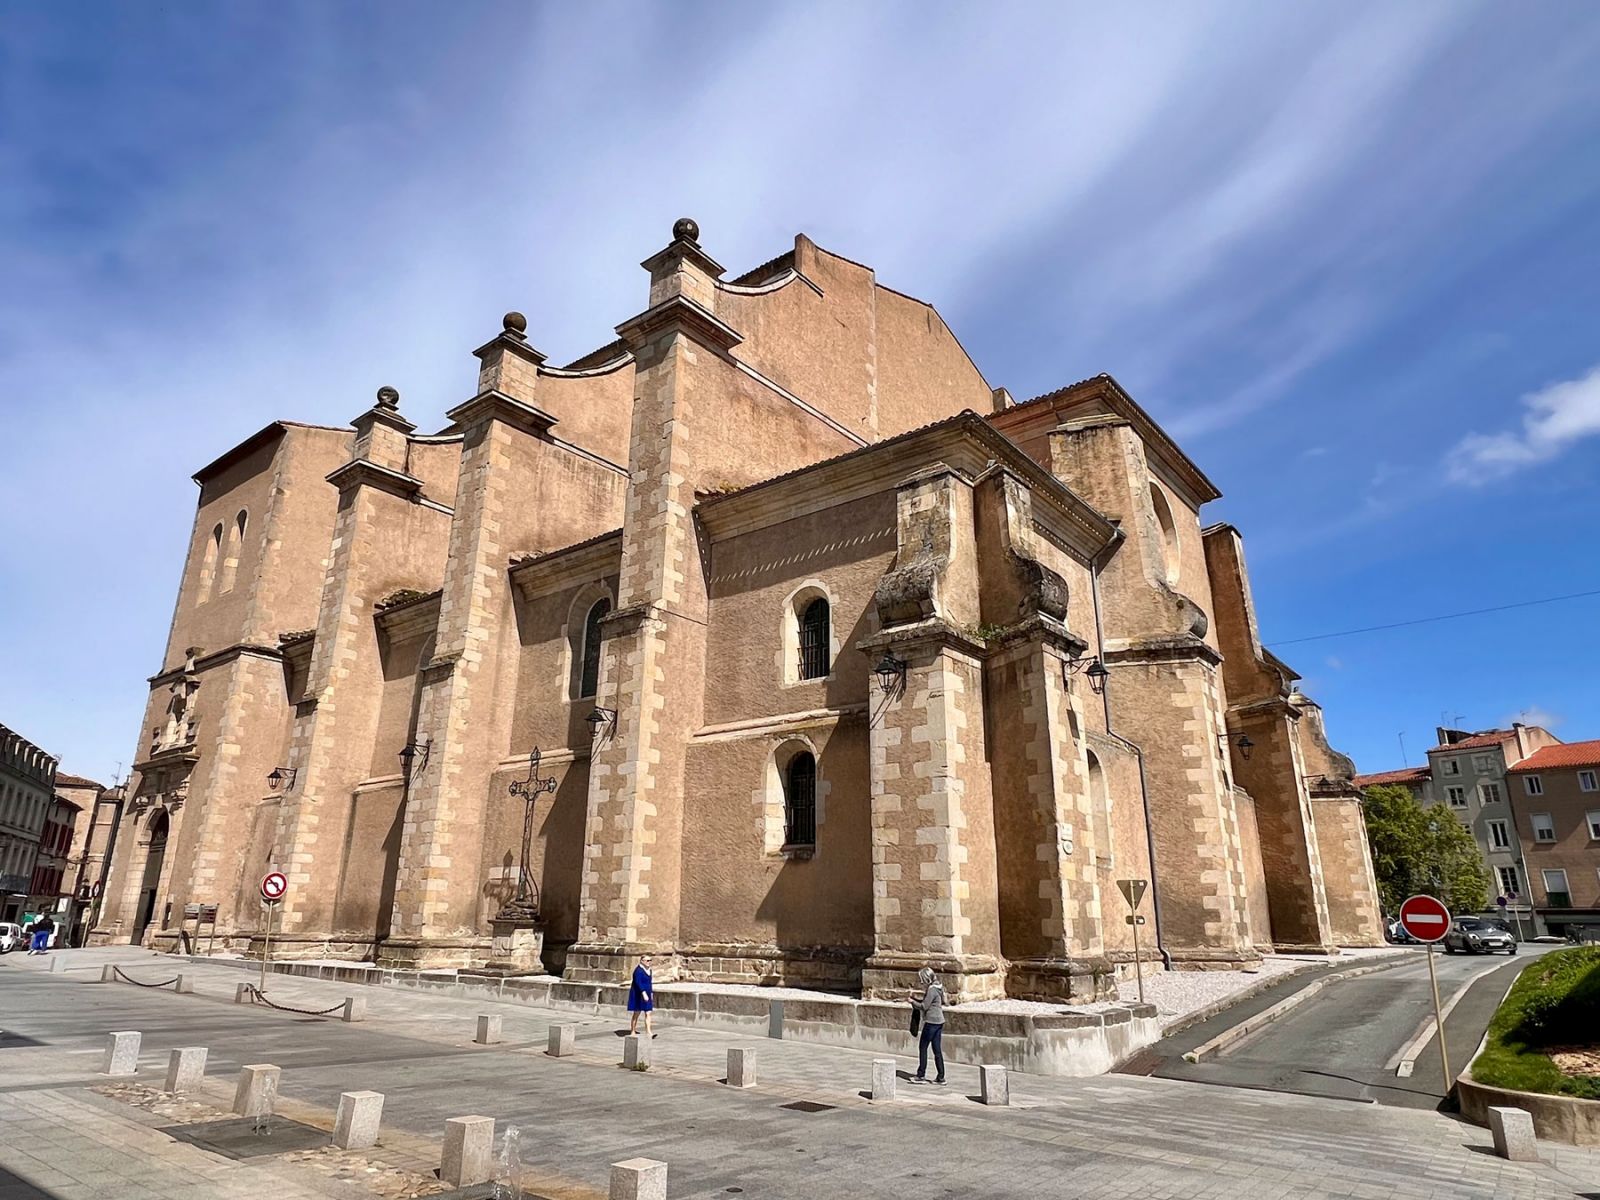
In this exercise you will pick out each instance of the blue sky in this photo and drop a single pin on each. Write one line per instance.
(1348, 254)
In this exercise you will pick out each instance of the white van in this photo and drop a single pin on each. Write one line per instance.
(10, 937)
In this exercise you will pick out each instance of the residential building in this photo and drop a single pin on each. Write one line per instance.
(1556, 792)
(50, 890)
(769, 637)
(86, 863)
(27, 791)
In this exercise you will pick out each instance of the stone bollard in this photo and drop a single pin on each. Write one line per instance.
(250, 1096)
(241, 994)
(636, 1052)
(355, 1009)
(186, 1067)
(488, 1030)
(882, 1079)
(639, 1179)
(185, 986)
(775, 1019)
(741, 1068)
(1514, 1138)
(122, 1054)
(468, 1151)
(355, 1125)
(994, 1086)
(108, 974)
(562, 1040)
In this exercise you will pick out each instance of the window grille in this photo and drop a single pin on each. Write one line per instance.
(800, 801)
(814, 640)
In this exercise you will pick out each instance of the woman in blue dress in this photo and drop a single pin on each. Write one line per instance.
(641, 997)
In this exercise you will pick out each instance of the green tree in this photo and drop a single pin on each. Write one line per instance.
(1422, 850)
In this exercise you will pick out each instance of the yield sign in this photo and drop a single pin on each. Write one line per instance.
(273, 885)
(1425, 918)
(1133, 890)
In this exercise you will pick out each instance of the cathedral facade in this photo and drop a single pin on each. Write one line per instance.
(770, 638)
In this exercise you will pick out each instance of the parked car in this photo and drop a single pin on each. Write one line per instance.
(1471, 935)
(10, 936)
(1396, 933)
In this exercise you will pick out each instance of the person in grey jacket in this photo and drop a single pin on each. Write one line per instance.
(930, 1003)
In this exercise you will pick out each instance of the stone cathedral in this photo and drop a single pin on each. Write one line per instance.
(769, 637)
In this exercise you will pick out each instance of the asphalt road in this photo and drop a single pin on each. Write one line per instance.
(1345, 1041)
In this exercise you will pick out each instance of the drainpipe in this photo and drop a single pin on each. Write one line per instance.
(1138, 754)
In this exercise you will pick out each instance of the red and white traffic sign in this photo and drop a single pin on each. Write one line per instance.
(273, 885)
(1425, 918)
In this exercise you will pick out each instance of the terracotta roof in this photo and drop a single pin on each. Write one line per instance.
(65, 780)
(1565, 754)
(1407, 775)
(1478, 741)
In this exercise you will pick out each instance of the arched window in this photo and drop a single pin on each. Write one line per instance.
(814, 637)
(589, 678)
(800, 801)
(230, 564)
(1170, 555)
(208, 564)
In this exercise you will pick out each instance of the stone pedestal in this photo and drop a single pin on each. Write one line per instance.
(994, 1087)
(517, 947)
(355, 1125)
(741, 1067)
(562, 1040)
(636, 1052)
(638, 1179)
(121, 1055)
(258, 1084)
(468, 1151)
(1512, 1129)
(186, 1067)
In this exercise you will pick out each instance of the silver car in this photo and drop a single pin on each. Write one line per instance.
(10, 936)
(1469, 935)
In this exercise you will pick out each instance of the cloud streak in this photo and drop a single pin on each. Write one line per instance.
(1555, 419)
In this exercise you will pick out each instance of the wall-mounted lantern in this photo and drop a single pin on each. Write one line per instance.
(414, 758)
(891, 672)
(602, 719)
(282, 777)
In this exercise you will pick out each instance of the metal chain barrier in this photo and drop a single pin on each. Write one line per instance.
(137, 983)
(257, 995)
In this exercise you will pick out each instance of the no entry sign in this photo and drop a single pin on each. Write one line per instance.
(1425, 918)
(275, 883)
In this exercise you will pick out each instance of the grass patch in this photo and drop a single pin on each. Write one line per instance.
(1554, 1003)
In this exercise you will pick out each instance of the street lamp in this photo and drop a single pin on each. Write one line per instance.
(282, 777)
(891, 672)
(415, 758)
(1242, 744)
(1097, 676)
(602, 718)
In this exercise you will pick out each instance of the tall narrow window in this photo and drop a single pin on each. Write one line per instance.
(814, 638)
(589, 680)
(230, 564)
(1171, 554)
(800, 801)
(208, 564)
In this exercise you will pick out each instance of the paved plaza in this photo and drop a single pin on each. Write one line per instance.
(71, 1133)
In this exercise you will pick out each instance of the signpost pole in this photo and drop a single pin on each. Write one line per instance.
(1138, 963)
(1438, 1021)
(266, 948)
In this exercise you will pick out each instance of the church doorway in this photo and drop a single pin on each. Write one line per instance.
(155, 858)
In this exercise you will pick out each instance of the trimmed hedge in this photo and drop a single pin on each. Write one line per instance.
(1555, 1002)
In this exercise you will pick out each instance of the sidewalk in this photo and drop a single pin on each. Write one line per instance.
(1112, 1136)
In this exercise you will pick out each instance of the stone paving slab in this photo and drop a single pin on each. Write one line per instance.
(1115, 1135)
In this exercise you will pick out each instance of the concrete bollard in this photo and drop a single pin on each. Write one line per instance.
(468, 1151)
(775, 1019)
(185, 986)
(108, 974)
(186, 1067)
(122, 1054)
(355, 1009)
(241, 994)
(639, 1179)
(488, 1030)
(562, 1040)
(250, 1096)
(636, 1052)
(742, 1068)
(882, 1079)
(355, 1125)
(994, 1086)
(1514, 1138)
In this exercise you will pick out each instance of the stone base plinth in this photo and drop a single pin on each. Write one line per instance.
(517, 948)
(889, 976)
(600, 962)
(1080, 980)
(432, 953)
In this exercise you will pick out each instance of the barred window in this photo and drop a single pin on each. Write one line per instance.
(814, 638)
(800, 801)
(589, 681)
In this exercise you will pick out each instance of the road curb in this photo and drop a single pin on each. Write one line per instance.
(1250, 1024)
(1405, 1060)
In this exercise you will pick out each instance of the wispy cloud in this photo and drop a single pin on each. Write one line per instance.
(1554, 419)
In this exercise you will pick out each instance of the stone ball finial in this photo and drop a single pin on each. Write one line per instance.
(388, 397)
(684, 229)
(514, 322)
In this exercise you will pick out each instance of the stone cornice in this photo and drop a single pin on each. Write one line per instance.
(497, 406)
(965, 443)
(682, 248)
(1040, 628)
(682, 314)
(586, 562)
(217, 659)
(1272, 706)
(1154, 650)
(360, 471)
(411, 619)
(379, 414)
(935, 631)
(176, 756)
(511, 344)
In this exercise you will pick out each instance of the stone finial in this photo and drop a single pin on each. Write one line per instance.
(515, 324)
(686, 229)
(388, 397)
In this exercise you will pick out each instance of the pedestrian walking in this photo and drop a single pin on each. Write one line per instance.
(42, 929)
(641, 997)
(929, 1003)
